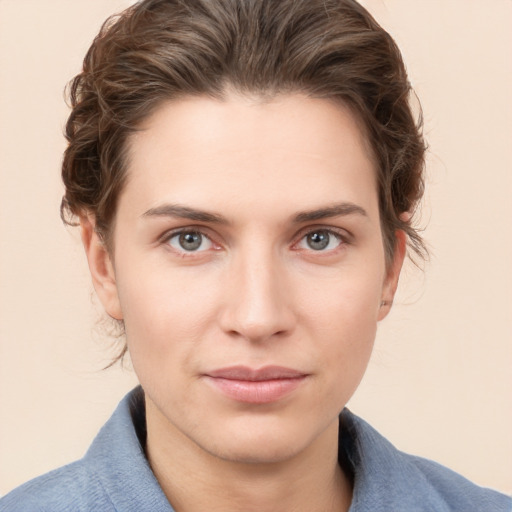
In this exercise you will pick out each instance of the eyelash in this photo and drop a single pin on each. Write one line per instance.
(342, 236)
(166, 239)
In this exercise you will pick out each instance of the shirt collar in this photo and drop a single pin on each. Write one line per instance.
(117, 459)
(384, 478)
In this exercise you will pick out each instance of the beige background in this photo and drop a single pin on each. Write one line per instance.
(440, 381)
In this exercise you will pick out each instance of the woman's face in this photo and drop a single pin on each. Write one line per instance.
(249, 270)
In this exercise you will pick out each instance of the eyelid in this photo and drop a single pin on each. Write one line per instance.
(202, 230)
(344, 235)
(185, 229)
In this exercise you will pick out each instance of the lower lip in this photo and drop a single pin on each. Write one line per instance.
(256, 392)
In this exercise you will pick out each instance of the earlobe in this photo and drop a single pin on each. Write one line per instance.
(101, 267)
(392, 275)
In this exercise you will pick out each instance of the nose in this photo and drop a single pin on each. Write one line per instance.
(257, 303)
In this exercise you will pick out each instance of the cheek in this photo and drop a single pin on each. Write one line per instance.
(166, 316)
(346, 301)
(342, 318)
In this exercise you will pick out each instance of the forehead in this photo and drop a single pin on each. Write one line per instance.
(290, 152)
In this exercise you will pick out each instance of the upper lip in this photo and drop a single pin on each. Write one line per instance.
(255, 375)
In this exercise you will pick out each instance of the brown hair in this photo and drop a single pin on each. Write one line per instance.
(164, 49)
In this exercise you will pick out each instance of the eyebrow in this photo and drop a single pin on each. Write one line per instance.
(185, 212)
(335, 210)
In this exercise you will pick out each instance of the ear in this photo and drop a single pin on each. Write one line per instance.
(101, 267)
(392, 275)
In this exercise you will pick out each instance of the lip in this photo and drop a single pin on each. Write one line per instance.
(256, 386)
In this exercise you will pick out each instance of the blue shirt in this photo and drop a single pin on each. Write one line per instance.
(114, 475)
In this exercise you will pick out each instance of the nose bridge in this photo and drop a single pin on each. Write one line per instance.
(258, 306)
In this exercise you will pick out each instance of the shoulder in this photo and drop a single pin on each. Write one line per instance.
(456, 491)
(72, 487)
(387, 479)
(113, 475)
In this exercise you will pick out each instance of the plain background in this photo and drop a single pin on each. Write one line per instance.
(439, 384)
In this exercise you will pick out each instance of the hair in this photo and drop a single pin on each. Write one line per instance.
(161, 50)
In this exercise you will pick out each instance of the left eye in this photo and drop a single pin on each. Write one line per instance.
(190, 241)
(320, 240)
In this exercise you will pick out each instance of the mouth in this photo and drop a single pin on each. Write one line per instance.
(256, 386)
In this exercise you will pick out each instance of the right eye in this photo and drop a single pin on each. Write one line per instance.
(189, 241)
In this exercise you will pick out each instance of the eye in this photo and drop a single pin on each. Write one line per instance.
(321, 240)
(190, 241)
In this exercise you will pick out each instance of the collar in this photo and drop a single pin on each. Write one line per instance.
(384, 478)
(117, 459)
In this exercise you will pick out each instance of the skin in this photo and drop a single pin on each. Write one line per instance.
(255, 293)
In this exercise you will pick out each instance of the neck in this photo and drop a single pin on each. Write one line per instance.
(194, 480)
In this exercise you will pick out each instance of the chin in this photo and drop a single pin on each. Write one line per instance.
(255, 453)
(258, 441)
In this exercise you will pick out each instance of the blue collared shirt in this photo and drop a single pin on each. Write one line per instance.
(114, 475)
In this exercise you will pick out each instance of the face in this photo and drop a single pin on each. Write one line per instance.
(249, 270)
